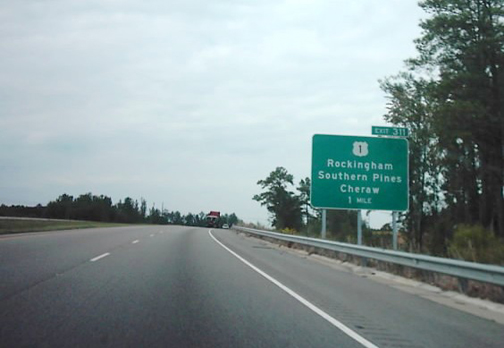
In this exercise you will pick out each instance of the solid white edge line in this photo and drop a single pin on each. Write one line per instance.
(99, 257)
(354, 335)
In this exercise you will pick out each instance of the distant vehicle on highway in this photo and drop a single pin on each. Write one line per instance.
(213, 219)
(225, 226)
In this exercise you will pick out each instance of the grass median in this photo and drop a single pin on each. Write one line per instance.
(33, 225)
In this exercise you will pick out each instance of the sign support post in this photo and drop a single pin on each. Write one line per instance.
(359, 227)
(394, 229)
(324, 223)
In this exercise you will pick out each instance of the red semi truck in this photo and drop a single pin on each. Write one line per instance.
(213, 219)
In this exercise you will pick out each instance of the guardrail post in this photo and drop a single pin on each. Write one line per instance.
(463, 285)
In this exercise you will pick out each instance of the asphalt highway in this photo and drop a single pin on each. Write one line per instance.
(171, 286)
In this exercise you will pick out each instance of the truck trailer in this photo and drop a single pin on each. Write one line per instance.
(213, 219)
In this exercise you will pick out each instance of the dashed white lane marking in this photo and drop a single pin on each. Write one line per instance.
(135, 241)
(354, 335)
(152, 235)
(99, 257)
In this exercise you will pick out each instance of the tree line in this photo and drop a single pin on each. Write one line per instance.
(100, 208)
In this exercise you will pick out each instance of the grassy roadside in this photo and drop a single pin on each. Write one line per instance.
(19, 226)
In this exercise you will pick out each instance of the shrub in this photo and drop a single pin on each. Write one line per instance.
(475, 243)
(288, 230)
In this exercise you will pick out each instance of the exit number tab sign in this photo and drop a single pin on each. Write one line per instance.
(352, 172)
(390, 131)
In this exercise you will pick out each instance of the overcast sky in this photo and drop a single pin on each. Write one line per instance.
(187, 102)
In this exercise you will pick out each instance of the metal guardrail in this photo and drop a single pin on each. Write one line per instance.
(461, 269)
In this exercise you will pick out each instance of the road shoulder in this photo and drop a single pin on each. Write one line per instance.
(479, 307)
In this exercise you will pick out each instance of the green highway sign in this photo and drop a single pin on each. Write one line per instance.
(390, 131)
(354, 172)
